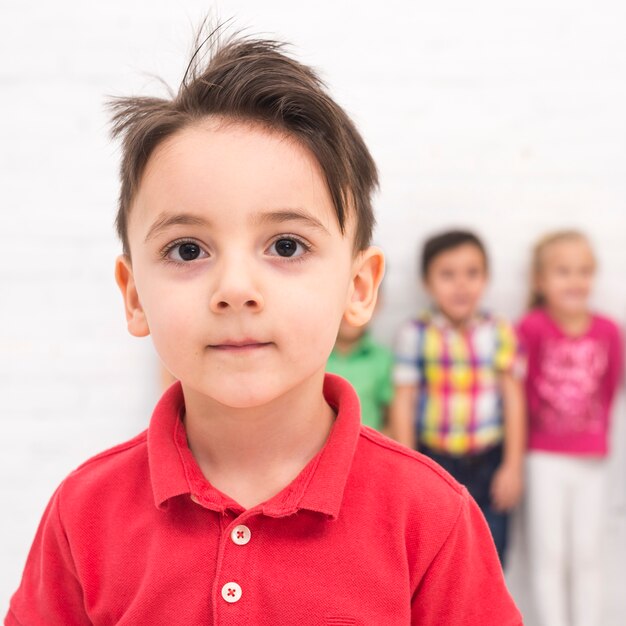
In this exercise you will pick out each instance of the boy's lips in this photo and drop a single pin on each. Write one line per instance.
(239, 345)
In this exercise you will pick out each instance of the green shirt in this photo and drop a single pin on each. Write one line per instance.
(368, 368)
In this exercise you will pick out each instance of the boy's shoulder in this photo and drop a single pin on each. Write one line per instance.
(121, 453)
(404, 479)
(409, 495)
(112, 469)
(400, 458)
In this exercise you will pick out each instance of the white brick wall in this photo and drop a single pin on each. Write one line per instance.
(504, 116)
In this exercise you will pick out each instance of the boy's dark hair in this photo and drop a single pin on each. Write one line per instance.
(448, 241)
(254, 81)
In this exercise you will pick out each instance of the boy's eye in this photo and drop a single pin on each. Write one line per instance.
(288, 247)
(189, 251)
(184, 251)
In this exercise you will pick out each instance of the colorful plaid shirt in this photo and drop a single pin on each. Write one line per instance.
(459, 408)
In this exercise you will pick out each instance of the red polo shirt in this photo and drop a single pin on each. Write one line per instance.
(369, 533)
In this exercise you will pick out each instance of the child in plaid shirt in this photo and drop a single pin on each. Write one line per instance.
(457, 399)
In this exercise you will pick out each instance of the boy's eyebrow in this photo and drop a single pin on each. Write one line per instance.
(166, 220)
(290, 215)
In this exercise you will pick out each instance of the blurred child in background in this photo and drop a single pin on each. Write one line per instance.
(457, 397)
(574, 363)
(368, 366)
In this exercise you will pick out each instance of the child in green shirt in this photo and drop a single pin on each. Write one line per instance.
(367, 365)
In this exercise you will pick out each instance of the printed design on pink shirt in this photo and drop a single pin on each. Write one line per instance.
(568, 384)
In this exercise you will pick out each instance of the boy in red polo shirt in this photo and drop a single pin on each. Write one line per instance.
(255, 496)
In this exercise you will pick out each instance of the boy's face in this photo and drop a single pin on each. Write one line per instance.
(456, 280)
(239, 269)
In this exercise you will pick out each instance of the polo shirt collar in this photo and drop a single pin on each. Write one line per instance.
(319, 487)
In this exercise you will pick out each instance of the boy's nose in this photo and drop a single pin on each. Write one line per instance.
(235, 289)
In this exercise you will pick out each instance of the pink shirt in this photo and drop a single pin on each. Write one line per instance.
(570, 383)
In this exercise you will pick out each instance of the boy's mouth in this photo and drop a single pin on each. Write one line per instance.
(240, 345)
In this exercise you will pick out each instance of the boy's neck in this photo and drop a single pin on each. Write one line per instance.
(575, 323)
(460, 325)
(252, 454)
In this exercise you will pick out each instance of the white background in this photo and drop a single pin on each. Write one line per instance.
(507, 117)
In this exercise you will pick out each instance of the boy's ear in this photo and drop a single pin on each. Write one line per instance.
(135, 317)
(368, 272)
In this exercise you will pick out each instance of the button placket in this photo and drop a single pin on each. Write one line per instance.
(239, 535)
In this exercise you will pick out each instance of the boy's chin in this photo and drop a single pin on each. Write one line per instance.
(459, 317)
(254, 389)
(243, 399)
(240, 396)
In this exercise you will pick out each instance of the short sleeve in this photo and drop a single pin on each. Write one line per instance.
(406, 369)
(50, 593)
(464, 583)
(507, 355)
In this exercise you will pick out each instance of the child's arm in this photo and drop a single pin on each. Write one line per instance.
(406, 377)
(401, 415)
(507, 483)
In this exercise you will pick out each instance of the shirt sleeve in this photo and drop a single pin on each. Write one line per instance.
(406, 369)
(507, 355)
(50, 593)
(464, 583)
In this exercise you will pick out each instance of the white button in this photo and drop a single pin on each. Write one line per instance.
(241, 535)
(231, 592)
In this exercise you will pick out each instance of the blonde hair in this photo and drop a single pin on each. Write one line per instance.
(536, 298)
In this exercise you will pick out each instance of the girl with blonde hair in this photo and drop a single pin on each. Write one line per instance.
(573, 368)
